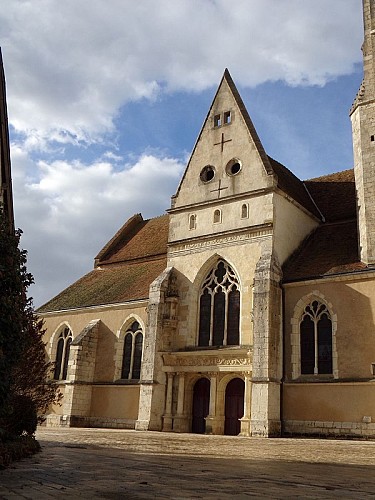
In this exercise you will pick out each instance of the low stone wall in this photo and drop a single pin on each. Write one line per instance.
(335, 429)
(74, 421)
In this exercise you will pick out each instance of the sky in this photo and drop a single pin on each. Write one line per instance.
(106, 100)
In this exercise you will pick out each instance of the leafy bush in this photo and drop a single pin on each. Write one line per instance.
(26, 385)
(22, 418)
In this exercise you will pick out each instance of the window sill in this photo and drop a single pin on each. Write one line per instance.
(314, 378)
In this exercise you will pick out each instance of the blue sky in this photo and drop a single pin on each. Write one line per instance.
(106, 99)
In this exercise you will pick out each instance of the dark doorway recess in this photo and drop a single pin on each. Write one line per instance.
(234, 404)
(201, 405)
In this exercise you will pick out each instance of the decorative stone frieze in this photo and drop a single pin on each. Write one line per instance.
(197, 246)
(196, 359)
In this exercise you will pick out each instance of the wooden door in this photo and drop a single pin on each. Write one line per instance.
(201, 405)
(234, 405)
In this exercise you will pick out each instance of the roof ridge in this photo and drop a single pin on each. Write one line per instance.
(147, 258)
(129, 225)
(332, 174)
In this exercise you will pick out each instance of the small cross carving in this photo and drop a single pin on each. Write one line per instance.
(222, 142)
(219, 189)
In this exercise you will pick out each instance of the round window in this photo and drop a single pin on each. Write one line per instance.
(233, 167)
(207, 174)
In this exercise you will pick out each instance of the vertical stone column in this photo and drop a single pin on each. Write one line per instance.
(245, 420)
(152, 391)
(267, 359)
(212, 419)
(180, 420)
(167, 417)
(81, 368)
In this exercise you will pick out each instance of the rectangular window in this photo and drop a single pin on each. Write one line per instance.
(217, 120)
(227, 117)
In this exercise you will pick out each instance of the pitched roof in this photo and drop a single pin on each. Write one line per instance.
(332, 248)
(137, 239)
(109, 285)
(335, 195)
(125, 267)
(294, 187)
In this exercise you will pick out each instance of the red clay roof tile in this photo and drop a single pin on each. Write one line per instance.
(108, 285)
(139, 240)
(330, 249)
(335, 195)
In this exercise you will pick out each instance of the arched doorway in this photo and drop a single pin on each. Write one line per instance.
(201, 405)
(234, 405)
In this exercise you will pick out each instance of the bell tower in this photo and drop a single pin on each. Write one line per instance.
(363, 130)
(6, 198)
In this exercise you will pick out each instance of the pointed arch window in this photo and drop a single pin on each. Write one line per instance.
(132, 354)
(62, 354)
(219, 307)
(316, 340)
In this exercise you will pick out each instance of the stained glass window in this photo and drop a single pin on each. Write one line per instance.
(316, 340)
(62, 354)
(219, 307)
(132, 354)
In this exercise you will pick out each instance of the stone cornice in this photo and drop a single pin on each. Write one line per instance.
(222, 201)
(226, 238)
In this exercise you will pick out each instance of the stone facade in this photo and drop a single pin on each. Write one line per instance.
(247, 310)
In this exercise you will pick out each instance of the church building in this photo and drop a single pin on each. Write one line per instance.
(249, 308)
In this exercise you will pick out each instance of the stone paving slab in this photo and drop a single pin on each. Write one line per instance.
(123, 464)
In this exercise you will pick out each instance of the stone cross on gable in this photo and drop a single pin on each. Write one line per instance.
(222, 142)
(219, 189)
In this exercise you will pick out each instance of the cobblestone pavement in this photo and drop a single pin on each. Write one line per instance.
(111, 464)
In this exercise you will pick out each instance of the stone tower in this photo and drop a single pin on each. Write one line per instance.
(363, 127)
(6, 197)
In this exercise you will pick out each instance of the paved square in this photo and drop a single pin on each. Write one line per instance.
(97, 463)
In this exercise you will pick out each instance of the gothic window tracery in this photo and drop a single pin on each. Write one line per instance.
(219, 307)
(62, 354)
(316, 340)
(132, 353)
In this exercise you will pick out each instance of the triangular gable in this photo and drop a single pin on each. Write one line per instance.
(227, 96)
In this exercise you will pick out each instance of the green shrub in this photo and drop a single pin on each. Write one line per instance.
(22, 418)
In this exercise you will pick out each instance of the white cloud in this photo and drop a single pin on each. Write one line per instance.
(71, 211)
(71, 65)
